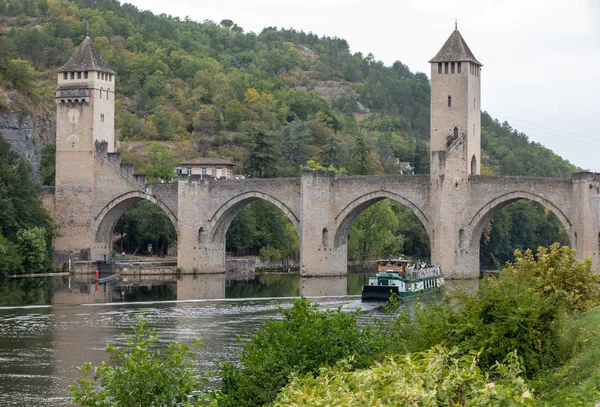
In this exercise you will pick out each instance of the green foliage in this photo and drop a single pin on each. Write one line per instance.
(25, 226)
(557, 274)
(48, 164)
(305, 340)
(141, 374)
(261, 228)
(263, 155)
(312, 165)
(521, 225)
(31, 248)
(436, 377)
(161, 162)
(142, 225)
(373, 233)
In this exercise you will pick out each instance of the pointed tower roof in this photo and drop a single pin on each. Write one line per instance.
(455, 49)
(86, 58)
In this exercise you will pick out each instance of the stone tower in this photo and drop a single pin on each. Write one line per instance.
(85, 113)
(455, 150)
(456, 102)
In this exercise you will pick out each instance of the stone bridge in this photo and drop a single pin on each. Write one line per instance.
(322, 206)
(454, 203)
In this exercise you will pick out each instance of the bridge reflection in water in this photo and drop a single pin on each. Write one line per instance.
(82, 289)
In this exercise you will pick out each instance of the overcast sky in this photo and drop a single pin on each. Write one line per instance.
(541, 58)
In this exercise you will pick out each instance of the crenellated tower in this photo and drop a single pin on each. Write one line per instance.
(455, 150)
(456, 103)
(85, 114)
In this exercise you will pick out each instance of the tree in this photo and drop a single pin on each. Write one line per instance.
(31, 247)
(373, 234)
(141, 375)
(161, 161)
(48, 164)
(295, 143)
(263, 157)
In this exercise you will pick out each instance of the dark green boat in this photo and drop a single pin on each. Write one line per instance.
(404, 278)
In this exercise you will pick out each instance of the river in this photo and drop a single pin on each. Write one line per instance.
(50, 326)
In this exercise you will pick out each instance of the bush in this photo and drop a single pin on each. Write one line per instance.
(304, 341)
(557, 274)
(142, 376)
(433, 378)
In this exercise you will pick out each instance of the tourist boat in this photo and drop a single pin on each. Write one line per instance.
(404, 278)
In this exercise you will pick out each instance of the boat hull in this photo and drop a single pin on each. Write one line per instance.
(378, 292)
(383, 293)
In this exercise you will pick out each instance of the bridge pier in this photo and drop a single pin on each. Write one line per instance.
(320, 253)
(585, 237)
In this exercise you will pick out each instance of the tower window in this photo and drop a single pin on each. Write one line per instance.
(65, 75)
(110, 77)
(107, 94)
(100, 93)
(72, 75)
(449, 101)
(97, 75)
(78, 75)
(102, 117)
(455, 133)
(85, 75)
(458, 67)
(439, 68)
(445, 67)
(325, 237)
(452, 67)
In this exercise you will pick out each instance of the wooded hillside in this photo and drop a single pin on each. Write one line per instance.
(269, 101)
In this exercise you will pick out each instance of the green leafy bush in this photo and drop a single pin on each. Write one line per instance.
(436, 377)
(305, 340)
(557, 273)
(141, 375)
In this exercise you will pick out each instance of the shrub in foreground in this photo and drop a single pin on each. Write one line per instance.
(142, 375)
(433, 378)
(557, 273)
(305, 340)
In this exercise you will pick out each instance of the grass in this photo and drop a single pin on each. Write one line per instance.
(577, 382)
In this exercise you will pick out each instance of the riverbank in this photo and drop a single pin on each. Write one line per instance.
(580, 375)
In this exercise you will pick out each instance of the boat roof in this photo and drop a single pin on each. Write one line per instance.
(394, 261)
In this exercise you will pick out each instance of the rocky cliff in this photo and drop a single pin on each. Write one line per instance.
(28, 135)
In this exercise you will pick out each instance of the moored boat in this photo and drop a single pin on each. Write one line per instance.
(403, 278)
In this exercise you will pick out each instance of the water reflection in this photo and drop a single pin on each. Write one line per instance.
(83, 288)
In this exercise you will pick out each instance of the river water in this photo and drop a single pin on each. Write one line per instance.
(50, 326)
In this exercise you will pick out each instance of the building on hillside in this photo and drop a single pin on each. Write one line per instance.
(207, 166)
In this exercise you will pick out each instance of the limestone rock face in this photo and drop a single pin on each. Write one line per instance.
(27, 135)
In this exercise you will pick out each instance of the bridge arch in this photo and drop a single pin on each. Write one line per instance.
(346, 217)
(478, 222)
(104, 223)
(223, 216)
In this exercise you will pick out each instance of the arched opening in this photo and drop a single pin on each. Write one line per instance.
(325, 239)
(526, 222)
(135, 225)
(449, 100)
(201, 235)
(381, 226)
(474, 166)
(259, 229)
(455, 133)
